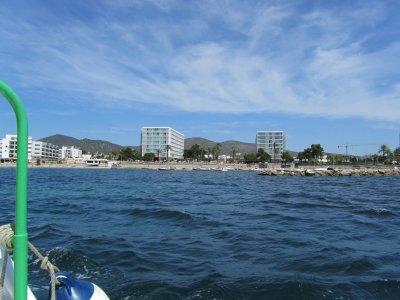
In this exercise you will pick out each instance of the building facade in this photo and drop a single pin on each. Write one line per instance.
(164, 142)
(43, 150)
(70, 152)
(272, 142)
(8, 147)
(36, 149)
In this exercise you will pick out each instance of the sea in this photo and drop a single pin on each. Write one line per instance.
(148, 234)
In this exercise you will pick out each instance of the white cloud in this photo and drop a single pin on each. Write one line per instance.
(272, 59)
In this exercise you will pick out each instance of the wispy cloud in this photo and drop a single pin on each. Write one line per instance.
(211, 56)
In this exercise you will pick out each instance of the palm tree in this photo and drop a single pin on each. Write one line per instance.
(168, 148)
(216, 150)
(385, 150)
(234, 150)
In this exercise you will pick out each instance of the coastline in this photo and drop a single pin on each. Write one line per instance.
(270, 170)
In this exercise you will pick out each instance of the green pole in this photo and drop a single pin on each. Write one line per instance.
(20, 241)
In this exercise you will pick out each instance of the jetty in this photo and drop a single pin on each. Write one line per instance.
(330, 171)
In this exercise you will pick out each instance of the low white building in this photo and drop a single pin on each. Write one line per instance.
(70, 152)
(36, 149)
(163, 142)
(85, 157)
(44, 150)
(323, 159)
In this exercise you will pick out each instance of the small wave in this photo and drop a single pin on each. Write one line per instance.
(46, 231)
(214, 287)
(377, 212)
(360, 266)
(163, 214)
(281, 217)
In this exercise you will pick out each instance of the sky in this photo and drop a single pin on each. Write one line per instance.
(325, 72)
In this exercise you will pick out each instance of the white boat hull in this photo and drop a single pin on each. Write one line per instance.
(7, 265)
(7, 283)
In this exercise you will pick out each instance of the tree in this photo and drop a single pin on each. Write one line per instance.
(216, 150)
(194, 152)
(396, 154)
(188, 153)
(128, 153)
(384, 150)
(301, 156)
(375, 158)
(149, 156)
(125, 153)
(276, 150)
(209, 153)
(234, 150)
(113, 155)
(262, 156)
(250, 158)
(305, 154)
(286, 156)
(167, 148)
(316, 151)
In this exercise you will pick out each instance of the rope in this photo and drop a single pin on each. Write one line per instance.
(6, 236)
(47, 266)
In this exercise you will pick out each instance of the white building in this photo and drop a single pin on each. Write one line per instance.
(8, 147)
(36, 149)
(163, 142)
(273, 143)
(70, 152)
(44, 150)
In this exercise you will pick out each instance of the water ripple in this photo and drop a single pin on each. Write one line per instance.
(144, 234)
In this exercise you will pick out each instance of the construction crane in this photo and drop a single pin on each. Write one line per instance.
(347, 146)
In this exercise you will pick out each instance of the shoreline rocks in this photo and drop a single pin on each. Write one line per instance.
(332, 172)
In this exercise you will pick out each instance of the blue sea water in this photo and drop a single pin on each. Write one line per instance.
(142, 234)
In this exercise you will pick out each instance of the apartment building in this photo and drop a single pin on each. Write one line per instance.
(273, 143)
(164, 142)
(70, 152)
(45, 151)
(8, 147)
(36, 149)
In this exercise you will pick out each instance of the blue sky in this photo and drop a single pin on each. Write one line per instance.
(324, 71)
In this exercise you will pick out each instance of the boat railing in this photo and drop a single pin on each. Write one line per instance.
(20, 240)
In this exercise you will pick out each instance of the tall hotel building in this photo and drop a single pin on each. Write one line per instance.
(273, 143)
(160, 140)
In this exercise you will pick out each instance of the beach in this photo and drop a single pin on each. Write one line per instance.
(266, 170)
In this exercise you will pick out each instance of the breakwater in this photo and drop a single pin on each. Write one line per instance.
(332, 172)
(270, 169)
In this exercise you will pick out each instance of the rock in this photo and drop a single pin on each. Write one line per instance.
(309, 172)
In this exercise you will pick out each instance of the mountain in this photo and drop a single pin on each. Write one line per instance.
(226, 146)
(106, 147)
(88, 145)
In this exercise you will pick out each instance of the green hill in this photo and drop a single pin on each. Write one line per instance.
(226, 146)
(105, 147)
(88, 145)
